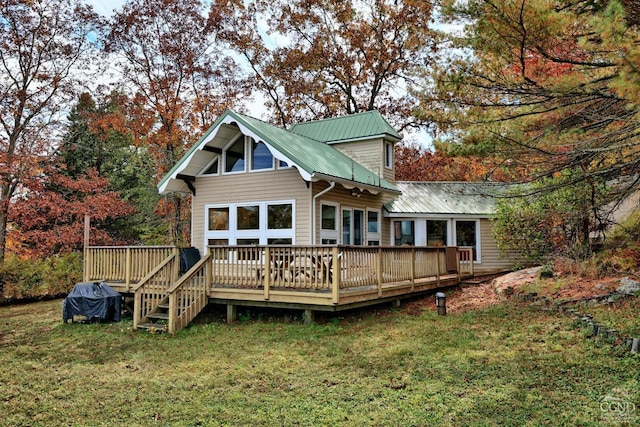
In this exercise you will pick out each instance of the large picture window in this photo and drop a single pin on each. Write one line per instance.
(437, 232)
(251, 224)
(404, 233)
(248, 217)
(280, 217)
(219, 218)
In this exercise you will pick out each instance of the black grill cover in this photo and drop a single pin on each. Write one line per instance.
(94, 301)
(188, 258)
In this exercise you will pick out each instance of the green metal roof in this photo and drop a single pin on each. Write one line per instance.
(347, 128)
(446, 198)
(314, 160)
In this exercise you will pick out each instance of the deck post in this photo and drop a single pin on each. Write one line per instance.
(438, 266)
(173, 309)
(87, 229)
(208, 271)
(267, 272)
(231, 313)
(176, 265)
(379, 271)
(87, 262)
(308, 316)
(458, 259)
(413, 268)
(337, 271)
(137, 308)
(127, 268)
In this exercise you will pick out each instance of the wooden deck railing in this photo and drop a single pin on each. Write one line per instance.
(324, 275)
(188, 296)
(152, 289)
(322, 268)
(465, 261)
(126, 264)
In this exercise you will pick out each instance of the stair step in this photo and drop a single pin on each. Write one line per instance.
(164, 306)
(153, 327)
(160, 316)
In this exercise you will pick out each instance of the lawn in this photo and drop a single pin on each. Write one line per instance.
(508, 364)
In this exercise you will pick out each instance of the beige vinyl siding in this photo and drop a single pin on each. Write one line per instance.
(491, 259)
(370, 154)
(276, 185)
(342, 196)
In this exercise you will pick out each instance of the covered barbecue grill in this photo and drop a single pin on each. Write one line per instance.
(92, 302)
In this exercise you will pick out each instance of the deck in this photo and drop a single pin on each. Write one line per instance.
(312, 278)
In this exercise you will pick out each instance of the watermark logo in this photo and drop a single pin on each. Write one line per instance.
(617, 406)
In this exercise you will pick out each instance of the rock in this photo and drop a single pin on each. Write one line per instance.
(628, 287)
(507, 284)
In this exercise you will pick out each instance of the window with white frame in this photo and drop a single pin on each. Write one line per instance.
(261, 157)
(404, 232)
(212, 168)
(373, 227)
(329, 224)
(250, 223)
(437, 232)
(388, 155)
(467, 233)
(352, 226)
(234, 157)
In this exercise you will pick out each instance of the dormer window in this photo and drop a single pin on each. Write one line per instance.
(234, 160)
(388, 155)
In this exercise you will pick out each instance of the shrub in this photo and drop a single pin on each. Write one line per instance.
(546, 272)
(32, 278)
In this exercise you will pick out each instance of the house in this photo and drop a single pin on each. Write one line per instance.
(449, 214)
(308, 217)
(324, 182)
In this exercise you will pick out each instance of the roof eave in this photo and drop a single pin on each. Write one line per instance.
(349, 184)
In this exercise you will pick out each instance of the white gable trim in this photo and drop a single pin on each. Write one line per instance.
(245, 131)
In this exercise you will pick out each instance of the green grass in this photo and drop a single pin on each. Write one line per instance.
(622, 315)
(507, 365)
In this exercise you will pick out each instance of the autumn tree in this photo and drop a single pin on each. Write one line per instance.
(43, 46)
(553, 86)
(178, 81)
(99, 138)
(414, 162)
(324, 58)
(49, 218)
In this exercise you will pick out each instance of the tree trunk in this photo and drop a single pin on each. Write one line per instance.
(3, 232)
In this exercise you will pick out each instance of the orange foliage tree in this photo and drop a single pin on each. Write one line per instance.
(415, 163)
(178, 80)
(49, 218)
(43, 45)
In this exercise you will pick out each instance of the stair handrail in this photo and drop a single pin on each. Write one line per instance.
(138, 316)
(196, 303)
(153, 272)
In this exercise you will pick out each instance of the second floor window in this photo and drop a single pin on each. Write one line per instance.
(234, 160)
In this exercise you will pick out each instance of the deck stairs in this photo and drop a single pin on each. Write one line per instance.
(166, 301)
(158, 320)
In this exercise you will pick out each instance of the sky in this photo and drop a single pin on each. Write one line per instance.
(106, 8)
